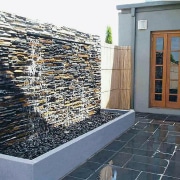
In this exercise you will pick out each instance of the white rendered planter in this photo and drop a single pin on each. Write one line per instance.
(58, 162)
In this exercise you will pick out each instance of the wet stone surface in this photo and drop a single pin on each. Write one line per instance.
(50, 138)
(49, 75)
(148, 150)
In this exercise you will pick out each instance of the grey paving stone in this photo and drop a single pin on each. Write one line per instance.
(173, 169)
(102, 156)
(150, 160)
(117, 173)
(145, 167)
(137, 151)
(120, 159)
(115, 146)
(148, 176)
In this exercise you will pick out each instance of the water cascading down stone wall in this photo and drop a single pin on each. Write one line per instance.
(49, 76)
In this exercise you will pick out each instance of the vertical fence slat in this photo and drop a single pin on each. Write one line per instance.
(116, 76)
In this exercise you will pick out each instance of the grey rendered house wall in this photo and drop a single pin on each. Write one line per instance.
(124, 28)
(158, 19)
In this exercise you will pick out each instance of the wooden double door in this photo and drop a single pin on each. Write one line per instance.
(165, 69)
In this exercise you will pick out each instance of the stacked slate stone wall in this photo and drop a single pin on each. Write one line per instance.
(49, 76)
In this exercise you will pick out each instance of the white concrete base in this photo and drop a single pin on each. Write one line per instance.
(58, 162)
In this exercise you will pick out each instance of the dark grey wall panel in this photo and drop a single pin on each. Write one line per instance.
(49, 76)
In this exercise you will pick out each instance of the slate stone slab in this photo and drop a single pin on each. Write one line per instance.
(49, 77)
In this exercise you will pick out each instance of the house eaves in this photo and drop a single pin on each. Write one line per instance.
(147, 4)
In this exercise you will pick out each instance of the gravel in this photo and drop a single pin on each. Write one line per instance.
(44, 141)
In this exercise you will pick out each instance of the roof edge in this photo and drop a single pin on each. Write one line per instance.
(146, 4)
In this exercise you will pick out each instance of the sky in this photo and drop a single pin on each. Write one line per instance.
(89, 16)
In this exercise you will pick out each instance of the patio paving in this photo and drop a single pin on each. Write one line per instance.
(149, 150)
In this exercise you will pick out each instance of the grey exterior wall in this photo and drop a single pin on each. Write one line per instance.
(124, 28)
(158, 19)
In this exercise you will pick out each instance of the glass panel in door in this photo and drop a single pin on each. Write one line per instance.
(173, 76)
(159, 68)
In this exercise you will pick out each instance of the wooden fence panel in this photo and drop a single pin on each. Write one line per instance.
(116, 76)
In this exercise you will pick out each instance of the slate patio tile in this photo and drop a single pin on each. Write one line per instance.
(151, 128)
(81, 173)
(102, 156)
(126, 137)
(159, 135)
(169, 122)
(178, 147)
(157, 122)
(157, 116)
(137, 151)
(173, 118)
(169, 178)
(161, 155)
(120, 159)
(177, 127)
(142, 115)
(117, 173)
(134, 131)
(144, 120)
(149, 160)
(90, 165)
(176, 156)
(150, 145)
(174, 133)
(173, 169)
(70, 178)
(139, 125)
(85, 170)
(138, 140)
(115, 146)
(172, 139)
(167, 148)
(145, 167)
(167, 127)
(143, 134)
(134, 143)
(148, 176)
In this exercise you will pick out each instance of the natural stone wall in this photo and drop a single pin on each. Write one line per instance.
(49, 76)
